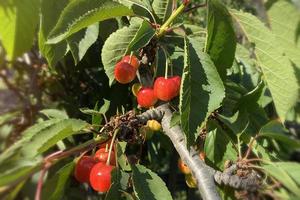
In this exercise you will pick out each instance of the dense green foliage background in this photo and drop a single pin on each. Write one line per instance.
(240, 68)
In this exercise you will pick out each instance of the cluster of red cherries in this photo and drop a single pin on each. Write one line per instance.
(95, 170)
(163, 89)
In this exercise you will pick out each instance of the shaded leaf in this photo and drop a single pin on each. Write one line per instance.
(122, 159)
(54, 187)
(218, 147)
(221, 42)
(147, 185)
(13, 194)
(118, 186)
(277, 171)
(82, 40)
(275, 130)
(139, 7)
(50, 12)
(202, 90)
(17, 170)
(278, 72)
(175, 120)
(162, 9)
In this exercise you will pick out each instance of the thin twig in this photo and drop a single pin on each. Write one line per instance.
(195, 7)
(40, 181)
(11, 87)
(250, 147)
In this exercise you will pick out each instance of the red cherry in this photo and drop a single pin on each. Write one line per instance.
(100, 177)
(166, 89)
(146, 97)
(83, 168)
(102, 155)
(124, 72)
(177, 80)
(134, 61)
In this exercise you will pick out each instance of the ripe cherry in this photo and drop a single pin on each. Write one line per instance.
(146, 97)
(83, 168)
(167, 89)
(124, 72)
(102, 155)
(183, 167)
(177, 80)
(133, 60)
(100, 177)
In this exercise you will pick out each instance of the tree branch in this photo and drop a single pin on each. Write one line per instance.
(206, 176)
(202, 173)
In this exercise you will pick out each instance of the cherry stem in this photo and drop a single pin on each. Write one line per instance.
(163, 29)
(130, 57)
(167, 62)
(111, 146)
(166, 69)
(250, 147)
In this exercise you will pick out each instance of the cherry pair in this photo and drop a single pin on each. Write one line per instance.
(164, 89)
(125, 70)
(95, 171)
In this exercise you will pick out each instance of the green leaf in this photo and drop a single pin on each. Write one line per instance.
(17, 170)
(54, 113)
(27, 135)
(279, 171)
(114, 190)
(284, 20)
(96, 118)
(49, 136)
(90, 111)
(82, 40)
(202, 90)
(5, 117)
(292, 168)
(275, 130)
(15, 191)
(175, 120)
(147, 185)
(55, 186)
(104, 108)
(122, 159)
(19, 20)
(221, 42)
(162, 9)
(139, 7)
(218, 147)
(249, 74)
(82, 13)
(50, 12)
(119, 183)
(277, 69)
(123, 41)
